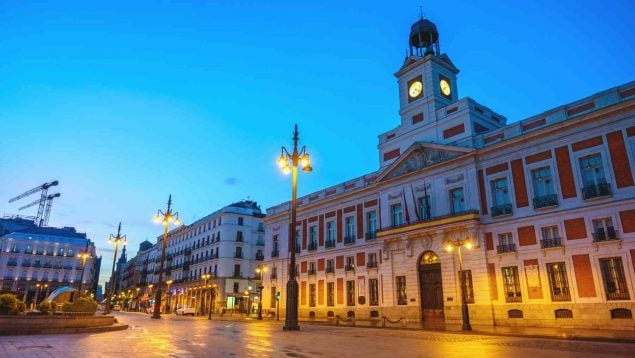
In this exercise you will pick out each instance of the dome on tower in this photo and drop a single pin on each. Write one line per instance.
(424, 36)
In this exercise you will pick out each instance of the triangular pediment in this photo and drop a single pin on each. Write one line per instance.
(421, 155)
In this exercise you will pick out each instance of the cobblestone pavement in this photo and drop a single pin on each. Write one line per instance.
(198, 337)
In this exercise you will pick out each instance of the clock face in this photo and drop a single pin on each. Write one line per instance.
(415, 89)
(445, 87)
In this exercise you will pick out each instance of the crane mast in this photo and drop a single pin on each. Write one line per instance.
(45, 201)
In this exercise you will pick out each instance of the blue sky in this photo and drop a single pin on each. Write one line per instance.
(125, 103)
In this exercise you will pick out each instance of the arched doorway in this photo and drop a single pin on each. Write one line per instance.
(431, 288)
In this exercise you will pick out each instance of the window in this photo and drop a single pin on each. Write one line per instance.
(604, 230)
(60, 252)
(312, 295)
(425, 209)
(350, 229)
(236, 270)
(239, 236)
(276, 246)
(614, 280)
(593, 178)
(396, 215)
(500, 198)
(543, 188)
(313, 237)
(330, 234)
(371, 224)
(330, 294)
(273, 297)
(550, 237)
(311, 268)
(330, 266)
(557, 273)
(350, 293)
(402, 298)
(468, 289)
(373, 292)
(240, 221)
(298, 240)
(239, 252)
(236, 287)
(350, 263)
(372, 260)
(457, 203)
(511, 284)
(506, 243)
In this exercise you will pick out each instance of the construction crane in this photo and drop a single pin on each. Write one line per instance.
(47, 211)
(43, 198)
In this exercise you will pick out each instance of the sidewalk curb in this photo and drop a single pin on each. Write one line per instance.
(38, 331)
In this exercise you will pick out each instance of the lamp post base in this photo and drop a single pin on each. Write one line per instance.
(291, 319)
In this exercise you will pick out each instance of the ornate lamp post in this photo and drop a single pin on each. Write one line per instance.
(457, 243)
(261, 269)
(84, 256)
(205, 277)
(165, 219)
(212, 295)
(169, 304)
(114, 240)
(288, 163)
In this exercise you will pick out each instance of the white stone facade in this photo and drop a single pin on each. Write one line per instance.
(548, 204)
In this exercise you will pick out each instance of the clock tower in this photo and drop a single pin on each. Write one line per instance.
(427, 79)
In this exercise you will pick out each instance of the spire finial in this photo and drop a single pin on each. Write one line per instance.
(421, 11)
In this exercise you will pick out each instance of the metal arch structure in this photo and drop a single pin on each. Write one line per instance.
(43, 189)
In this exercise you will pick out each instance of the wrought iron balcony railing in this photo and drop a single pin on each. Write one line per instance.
(553, 242)
(349, 239)
(313, 246)
(596, 191)
(500, 210)
(501, 249)
(275, 253)
(371, 264)
(349, 268)
(329, 243)
(545, 201)
(370, 236)
(602, 235)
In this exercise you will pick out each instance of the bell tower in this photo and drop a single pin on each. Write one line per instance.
(427, 79)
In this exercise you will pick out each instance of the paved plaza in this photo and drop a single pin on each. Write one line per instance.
(198, 337)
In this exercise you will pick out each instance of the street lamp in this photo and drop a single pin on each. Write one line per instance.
(261, 269)
(114, 240)
(165, 219)
(84, 256)
(167, 308)
(288, 163)
(211, 301)
(205, 277)
(457, 243)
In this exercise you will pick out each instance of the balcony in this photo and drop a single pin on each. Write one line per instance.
(330, 269)
(260, 242)
(349, 267)
(349, 239)
(500, 210)
(238, 255)
(548, 243)
(275, 253)
(313, 246)
(371, 264)
(215, 255)
(545, 201)
(239, 238)
(237, 274)
(502, 249)
(68, 267)
(260, 257)
(26, 264)
(312, 271)
(596, 191)
(602, 235)
(329, 243)
(273, 276)
(370, 236)
(37, 264)
(12, 263)
(298, 248)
